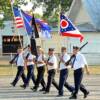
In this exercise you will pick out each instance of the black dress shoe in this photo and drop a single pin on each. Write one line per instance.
(31, 89)
(12, 84)
(86, 94)
(34, 89)
(23, 86)
(46, 92)
(59, 95)
(43, 89)
(73, 97)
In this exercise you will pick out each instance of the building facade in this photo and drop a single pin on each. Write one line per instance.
(81, 17)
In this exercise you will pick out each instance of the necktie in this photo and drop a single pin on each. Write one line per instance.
(27, 55)
(48, 58)
(43, 57)
(62, 56)
(73, 61)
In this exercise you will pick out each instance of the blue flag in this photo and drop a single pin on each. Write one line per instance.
(27, 22)
(45, 28)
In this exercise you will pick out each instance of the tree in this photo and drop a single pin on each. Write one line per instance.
(5, 10)
(53, 8)
(5, 7)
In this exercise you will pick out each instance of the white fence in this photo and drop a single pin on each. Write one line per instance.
(92, 58)
(91, 51)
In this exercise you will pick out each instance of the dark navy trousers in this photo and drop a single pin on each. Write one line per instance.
(78, 76)
(62, 81)
(40, 77)
(30, 75)
(20, 73)
(51, 80)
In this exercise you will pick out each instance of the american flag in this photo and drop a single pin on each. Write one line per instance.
(68, 29)
(19, 22)
(18, 18)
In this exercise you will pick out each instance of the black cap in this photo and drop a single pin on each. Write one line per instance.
(38, 47)
(51, 49)
(76, 47)
(29, 46)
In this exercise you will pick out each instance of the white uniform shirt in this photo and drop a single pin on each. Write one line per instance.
(20, 60)
(53, 60)
(80, 61)
(30, 57)
(65, 58)
(41, 58)
(25, 52)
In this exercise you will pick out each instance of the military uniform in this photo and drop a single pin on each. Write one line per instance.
(30, 69)
(51, 72)
(20, 69)
(64, 74)
(78, 63)
(40, 72)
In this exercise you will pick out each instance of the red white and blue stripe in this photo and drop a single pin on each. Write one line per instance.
(18, 19)
(68, 29)
(22, 19)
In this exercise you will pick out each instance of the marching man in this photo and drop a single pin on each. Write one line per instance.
(20, 67)
(52, 66)
(30, 64)
(64, 72)
(40, 70)
(78, 64)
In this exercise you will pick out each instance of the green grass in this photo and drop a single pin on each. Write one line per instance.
(9, 70)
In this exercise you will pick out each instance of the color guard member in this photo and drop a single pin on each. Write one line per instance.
(20, 67)
(78, 64)
(64, 72)
(30, 64)
(40, 70)
(52, 66)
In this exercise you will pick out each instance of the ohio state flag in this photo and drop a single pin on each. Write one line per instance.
(68, 29)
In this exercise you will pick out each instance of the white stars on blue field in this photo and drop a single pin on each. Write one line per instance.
(65, 24)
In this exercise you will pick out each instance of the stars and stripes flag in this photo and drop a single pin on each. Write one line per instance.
(22, 19)
(68, 29)
(17, 17)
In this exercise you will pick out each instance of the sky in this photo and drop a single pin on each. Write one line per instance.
(1, 16)
(93, 8)
(29, 7)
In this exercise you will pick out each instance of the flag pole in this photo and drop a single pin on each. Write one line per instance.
(34, 35)
(66, 39)
(59, 12)
(14, 24)
(59, 18)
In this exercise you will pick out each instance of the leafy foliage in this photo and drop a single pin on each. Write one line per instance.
(5, 7)
(51, 8)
